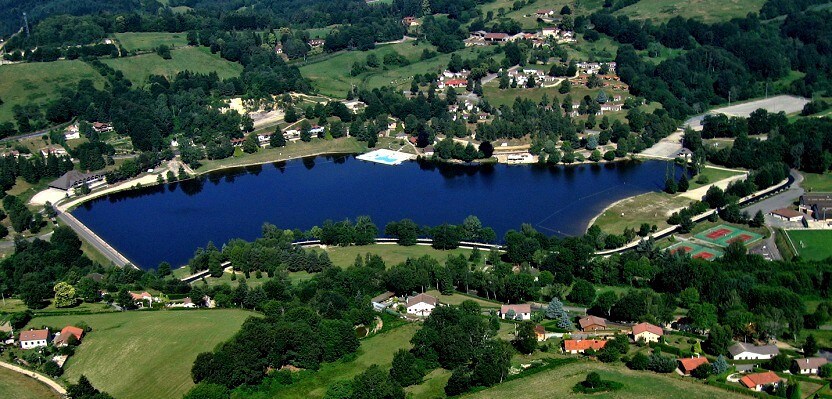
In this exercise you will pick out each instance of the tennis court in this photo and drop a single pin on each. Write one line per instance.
(723, 235)
(695, 251)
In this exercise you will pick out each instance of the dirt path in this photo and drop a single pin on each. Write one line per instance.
(46, 380)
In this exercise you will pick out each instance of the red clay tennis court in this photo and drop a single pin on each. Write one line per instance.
(717, 233)
(704, 255)
(686, 249)
(741, 238)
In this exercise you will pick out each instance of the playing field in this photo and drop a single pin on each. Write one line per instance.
(40, 82)
(194, 59)
(812, 244)
(14, 385)
(723, 235)
(706, 10)
(133, 41)
(145, 354)
(695, 251)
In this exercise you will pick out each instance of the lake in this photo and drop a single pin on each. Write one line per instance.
(167, 223)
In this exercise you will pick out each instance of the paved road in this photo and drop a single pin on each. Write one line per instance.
(782, 200)
(46, 380)
(10, 243)
(94, 240)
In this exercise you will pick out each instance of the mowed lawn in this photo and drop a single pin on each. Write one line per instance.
(392, 254)
(40, 82)
(817, 182)
(708, 11)
(194, 59)
(14, 385)
(135, 355)
(133, 41)
(812, 244)
(558, 383)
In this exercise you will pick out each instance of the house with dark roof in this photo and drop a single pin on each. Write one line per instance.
(687, 365)
(809, 365)
(592, 323)
(787, 214)
(759, 381)
(74, 179)
(34, 338)
(516, 312)
(818, 205)
(540, 333)
(421, 305)
(744, 351)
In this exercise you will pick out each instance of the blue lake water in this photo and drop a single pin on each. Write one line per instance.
(168, 223)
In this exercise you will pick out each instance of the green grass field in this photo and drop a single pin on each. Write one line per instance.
(708, 11)
(558, 383)
(457, 299)
(525, 15)
(194, 59)
(713, 175)
(40, 82)
(14, 385)
(296, 149)
(145, 354)
(812, 244)
(651, 208)
(817, 182)
(392, 254)
(148, 41)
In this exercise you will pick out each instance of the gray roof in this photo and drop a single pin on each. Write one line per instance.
(741, 347)
(73, 178)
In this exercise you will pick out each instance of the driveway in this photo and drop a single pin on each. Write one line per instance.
(768, 248)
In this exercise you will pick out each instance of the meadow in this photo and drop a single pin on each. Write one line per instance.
(40, 82)
(708, 11)
(14, 385)
(651, 208)
(392, 254)
(145, 354)
(812, 244)
(816, 182)
(148, 41)
(194, 59)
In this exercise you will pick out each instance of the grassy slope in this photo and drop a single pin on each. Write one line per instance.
(194, 59)
(18, 386)
(145, 354)
(392, 254)
(40, 82)
(817, 182)
(132, 41)
(705, 10)
(816, 243)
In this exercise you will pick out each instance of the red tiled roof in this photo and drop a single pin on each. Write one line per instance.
(450, 82)
(539, 329)
(691, 363)
(521, 308)
(77, 332)
(767, 378)
(34, 335)
(583, 344)
(139, 297)
(642, 327)
(421, 298)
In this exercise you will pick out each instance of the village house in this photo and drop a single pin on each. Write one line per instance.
(592, 323)
(102, 127)
(575, 346)
(520, 312)
(759, 381)
(787, 214)
(687, 365)
(647, 332)
(63, 337)
(140, 298)
(540, 333)
(809, 365)
(496, 37)
(34, 338)
(316, 42)
(382, 301)
(421, 305)
(744, 351)
(55, 150)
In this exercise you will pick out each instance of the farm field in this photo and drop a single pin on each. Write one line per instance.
(392, 254)
(14, 385)
(193, 59)
(708, 11)
(812, 244)
(40, 82)
(816, 182)
(558, 383)
(148, 41)
(145, 354)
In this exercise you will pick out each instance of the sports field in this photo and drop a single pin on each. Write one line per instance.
(194, 59)
(145, 354)
(812, 244)
(723, 235)
(134, 41)
(695, 251)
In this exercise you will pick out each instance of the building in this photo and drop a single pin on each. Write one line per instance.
(549, 32)
(380, 302)
(575, 346)
(809, 365)
(316, 42)
(743, 351)
(429, 151)
(72, 133)
(818, 205)
(496, 37)
(687, 365)
(238, 142)
(63, 338)
(421, 305)
(140, 298)
(787, 214)
(74, 178)
(102, 127)
(647, 332)
(455, 83)
(410, 21)
(540, 333)
(34, 338)
(592, 323)
(55, 150)
(759, 381)
(521, 312)
(545, 13)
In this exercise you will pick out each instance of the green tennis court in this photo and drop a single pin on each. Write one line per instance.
(723, 235)
(695, 251)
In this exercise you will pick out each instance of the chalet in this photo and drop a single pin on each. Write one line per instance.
(102, 127)
(647, 332)
(63, 338)
(592, 323)
(787, 214)
(818, 205)
(521, 312)
(687, 365)
(496, 37)
(743, 351)
(575, 346)
(34, 338)
(421, 305)
(540, 333)
(809, 365)
(74, 178)
(759, 381)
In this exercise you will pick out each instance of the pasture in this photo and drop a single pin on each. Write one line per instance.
(14, 385)
(145, 354)
(812, 244)
(40, 82)
(148, 41)
(194, 59)
(708, 11)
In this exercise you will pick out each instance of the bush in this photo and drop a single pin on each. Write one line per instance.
(593, 384)
(639, 361)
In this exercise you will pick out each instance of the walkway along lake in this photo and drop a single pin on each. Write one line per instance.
(167, 223)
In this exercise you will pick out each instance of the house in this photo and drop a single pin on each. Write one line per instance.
(238, 142)
(743, 351)
(544, 13)
(592, 323)
(316, 42)
(549, 32)
(540, 333)
(421, 305)
(55, 150)
(521, 312)
(62, 338)
(34, 338)
(188, 303)
(759, 381)
(74, 178)
(575, 346)
(102, 127)
(474, 41)
(278, 48)
(72, 133)
(647, 332)
(809, 365)
(429, 151)
(380, 301)
(292, 134)
(410, 21)
(687, 365)
(787, 214)
(139, 298)
(455, 83)
(496, 37)
(819, 205)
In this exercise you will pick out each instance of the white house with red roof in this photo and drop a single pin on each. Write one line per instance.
(647, 332)
(34, 338)
(516, 312)
(421, 305)
(63, 338)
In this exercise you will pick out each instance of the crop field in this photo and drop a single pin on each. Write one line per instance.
(14, 385)
(708, 11)
(812, 244)
(148, 41)
(145, 354)
(193, 59)
(40, 82)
